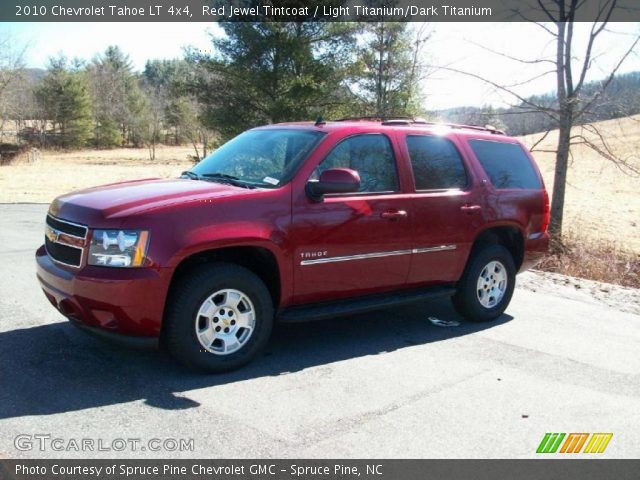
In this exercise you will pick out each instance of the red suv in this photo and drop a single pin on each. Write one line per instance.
(295, 222)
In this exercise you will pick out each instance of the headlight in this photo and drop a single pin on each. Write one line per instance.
(118, 248)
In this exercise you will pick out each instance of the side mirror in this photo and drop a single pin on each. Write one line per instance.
(333, 180)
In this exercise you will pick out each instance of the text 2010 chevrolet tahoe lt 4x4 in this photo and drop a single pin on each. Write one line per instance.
(294, 222)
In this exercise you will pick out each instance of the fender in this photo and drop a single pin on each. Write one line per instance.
(498, 223)
(216, 237)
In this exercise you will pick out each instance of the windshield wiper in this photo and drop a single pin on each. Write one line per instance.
(219, 175)
(190, 174)
(226, 178)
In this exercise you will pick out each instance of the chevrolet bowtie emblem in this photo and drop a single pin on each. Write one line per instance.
(52, 234)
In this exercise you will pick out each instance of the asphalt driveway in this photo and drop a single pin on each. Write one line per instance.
(388, 384)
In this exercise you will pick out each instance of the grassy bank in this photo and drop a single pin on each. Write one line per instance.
(600, 260)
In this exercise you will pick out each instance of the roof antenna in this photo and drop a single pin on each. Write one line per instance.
(319, 121)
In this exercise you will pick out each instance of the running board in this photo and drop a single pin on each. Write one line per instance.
(321, 311)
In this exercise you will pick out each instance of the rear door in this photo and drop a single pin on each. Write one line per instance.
(445, 205)
(357, 243)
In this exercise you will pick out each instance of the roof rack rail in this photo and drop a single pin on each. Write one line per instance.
(373, 118)
(397, 121)
(390, 121)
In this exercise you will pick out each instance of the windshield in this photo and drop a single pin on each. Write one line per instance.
(264, 158)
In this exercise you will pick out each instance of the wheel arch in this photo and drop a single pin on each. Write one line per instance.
(258, 259)
(509, 236)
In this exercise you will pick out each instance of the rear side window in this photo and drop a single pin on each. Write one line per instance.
(507, 165)
(436, 163)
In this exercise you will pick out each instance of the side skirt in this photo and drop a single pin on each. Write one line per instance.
(321, 311)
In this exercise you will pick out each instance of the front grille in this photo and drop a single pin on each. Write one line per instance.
(66, 227)
(62, 253)
(65, 241)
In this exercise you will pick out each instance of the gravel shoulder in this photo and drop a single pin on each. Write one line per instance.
(623, 299)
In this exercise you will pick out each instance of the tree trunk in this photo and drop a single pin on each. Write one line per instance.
(560, 175)
(379, 92)
(203, 137)
(195, 147)
(565, 122)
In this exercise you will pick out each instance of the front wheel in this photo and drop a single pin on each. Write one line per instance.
(486, 287)
(219, 317)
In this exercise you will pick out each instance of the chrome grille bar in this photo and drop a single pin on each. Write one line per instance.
(65, 241)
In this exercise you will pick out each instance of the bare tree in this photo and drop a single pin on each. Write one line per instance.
(419, 68)
(150, 120)
(571, 105)
(11, 70)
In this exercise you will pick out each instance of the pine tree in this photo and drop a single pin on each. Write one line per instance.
(118, 99)
(65, 102)
(272, 72)
(389, 69)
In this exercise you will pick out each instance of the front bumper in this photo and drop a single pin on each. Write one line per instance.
(130, 341)
(117, 301)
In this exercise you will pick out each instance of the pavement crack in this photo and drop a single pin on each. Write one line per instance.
(343, 425)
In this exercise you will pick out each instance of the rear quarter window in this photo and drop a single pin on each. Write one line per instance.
(507, 164)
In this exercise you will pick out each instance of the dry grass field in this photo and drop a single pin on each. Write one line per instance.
(602, 204)
(60, 172)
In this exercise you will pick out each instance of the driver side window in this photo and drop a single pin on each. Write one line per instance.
(371, 156)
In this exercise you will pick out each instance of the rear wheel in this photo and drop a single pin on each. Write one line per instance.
(486, 287)
(219, 317)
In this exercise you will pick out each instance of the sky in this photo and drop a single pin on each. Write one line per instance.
(469, 47)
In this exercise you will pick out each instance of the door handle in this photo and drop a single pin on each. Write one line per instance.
(394, 214)
(470, 208)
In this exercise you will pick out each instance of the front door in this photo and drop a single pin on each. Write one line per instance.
(357, 243)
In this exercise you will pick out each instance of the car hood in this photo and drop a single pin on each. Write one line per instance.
(94, 206)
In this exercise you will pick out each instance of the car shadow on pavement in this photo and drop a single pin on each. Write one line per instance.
(56, 368)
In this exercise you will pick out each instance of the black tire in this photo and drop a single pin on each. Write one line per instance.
(466, 301)
(192, 289)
